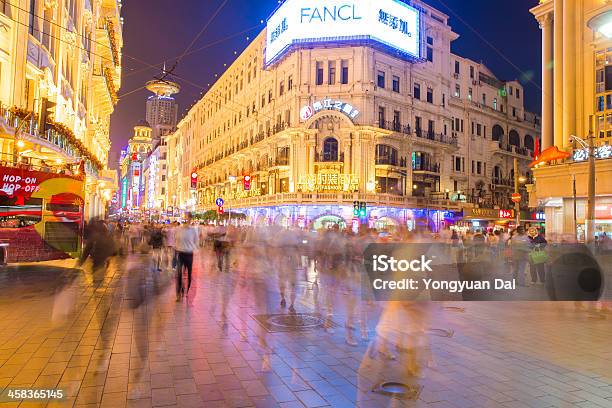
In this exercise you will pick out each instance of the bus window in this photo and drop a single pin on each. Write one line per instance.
(16, 214)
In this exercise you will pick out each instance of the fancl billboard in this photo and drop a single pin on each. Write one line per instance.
(390, 23)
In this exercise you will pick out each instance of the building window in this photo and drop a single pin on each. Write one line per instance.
(319, 73)
(417, 91)
(484, 99)
(457, 68)
(518, 93)
(479, 167)
(270, 96)
(495, 103)
(32, 17)
(381, 117)
(431, 128)
(396, 121)
(471, 72)
(457, 91)
(330, 150)
(478, 129)
(290, 83)
(513, 111)
(344, 73)
(429, 95)
(418, 125)
(396, 84)
(457, 163)
(470, 94)
(331, 73)
(381, 79)
(281, 90)
(429, 54)
(386, 155)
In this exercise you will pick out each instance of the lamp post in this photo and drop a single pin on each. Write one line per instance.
(590, 215)
(232, 180)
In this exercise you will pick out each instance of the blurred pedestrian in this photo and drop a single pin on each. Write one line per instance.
(187, 241)
(538, 256)
(521, 246)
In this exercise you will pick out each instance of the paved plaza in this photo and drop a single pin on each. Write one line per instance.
(118, 338)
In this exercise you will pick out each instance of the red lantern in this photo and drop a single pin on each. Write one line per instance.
(516, 198)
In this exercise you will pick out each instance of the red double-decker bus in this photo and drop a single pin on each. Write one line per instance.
(41, 211)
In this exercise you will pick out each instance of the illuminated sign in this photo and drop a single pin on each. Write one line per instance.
(152, 180)
(487, 213)
(602, 152)
(124, 192)
(539, 216)
(328, 182)
(391, 23)
(328, 104)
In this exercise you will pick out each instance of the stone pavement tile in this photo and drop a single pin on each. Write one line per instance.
(159, 367)
(89, 395)
(189, 401)
(140, 390)
(185, 386)
(161, 380)
(182, 372)
(69, 388)
(237, 399)
(603, 402)
(74, 373)
(139, 403)
(163, 396)
(281, 393)
(116, 384)
(292, 404)
(53, 368)
(114, 400)
(295, 383)
(210, 392)
(254, 388)
(204, 377)
(311, 399)
(228, 382)
(562, 395)
(94, 378)
(339, 401)
(221, 369)
(308, 374)
(200, 364)
(245, 373)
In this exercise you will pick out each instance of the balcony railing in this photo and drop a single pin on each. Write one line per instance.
(62, 141)
(407, 130)
(427, 167)
(329, 158)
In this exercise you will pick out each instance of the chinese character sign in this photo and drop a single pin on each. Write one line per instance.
(390, 23)
(323, 182)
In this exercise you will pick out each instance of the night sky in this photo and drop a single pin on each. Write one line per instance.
(507, 40)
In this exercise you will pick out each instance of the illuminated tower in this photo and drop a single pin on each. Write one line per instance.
(162, 108)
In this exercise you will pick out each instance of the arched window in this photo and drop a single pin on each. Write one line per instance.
(514, 139)
(497, 174)
(386, 154)
(497, 133)
(330, 150)
(529, 142)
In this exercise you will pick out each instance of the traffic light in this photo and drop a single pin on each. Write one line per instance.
(194, 180)
(45, 111)
(246, 182)
(360, 209)
(363, 210)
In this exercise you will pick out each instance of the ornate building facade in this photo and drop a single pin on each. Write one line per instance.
(62, 58)
(328, 124)
(576, 104)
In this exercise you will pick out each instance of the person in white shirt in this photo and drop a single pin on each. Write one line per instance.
(187, 241)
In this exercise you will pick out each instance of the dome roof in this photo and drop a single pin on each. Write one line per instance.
(143, 123)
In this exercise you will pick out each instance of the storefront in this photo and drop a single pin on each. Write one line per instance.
(487, 219)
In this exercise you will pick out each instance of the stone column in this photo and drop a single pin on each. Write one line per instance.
(558, 73)
(547, 82)
(569, 71)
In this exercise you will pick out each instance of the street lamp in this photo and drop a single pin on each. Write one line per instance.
(590, 216)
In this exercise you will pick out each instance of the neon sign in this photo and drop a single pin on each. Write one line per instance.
(390, 23)
(309, 111)
(328, 182)
(506, 214)
(602, 152)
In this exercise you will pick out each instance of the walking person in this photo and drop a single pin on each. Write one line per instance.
(520, 246)
(538, 256)
(156, 241)
(187, 241)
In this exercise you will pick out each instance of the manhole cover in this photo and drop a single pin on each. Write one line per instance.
(441, 332)
(292, 322)
(398, 390)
